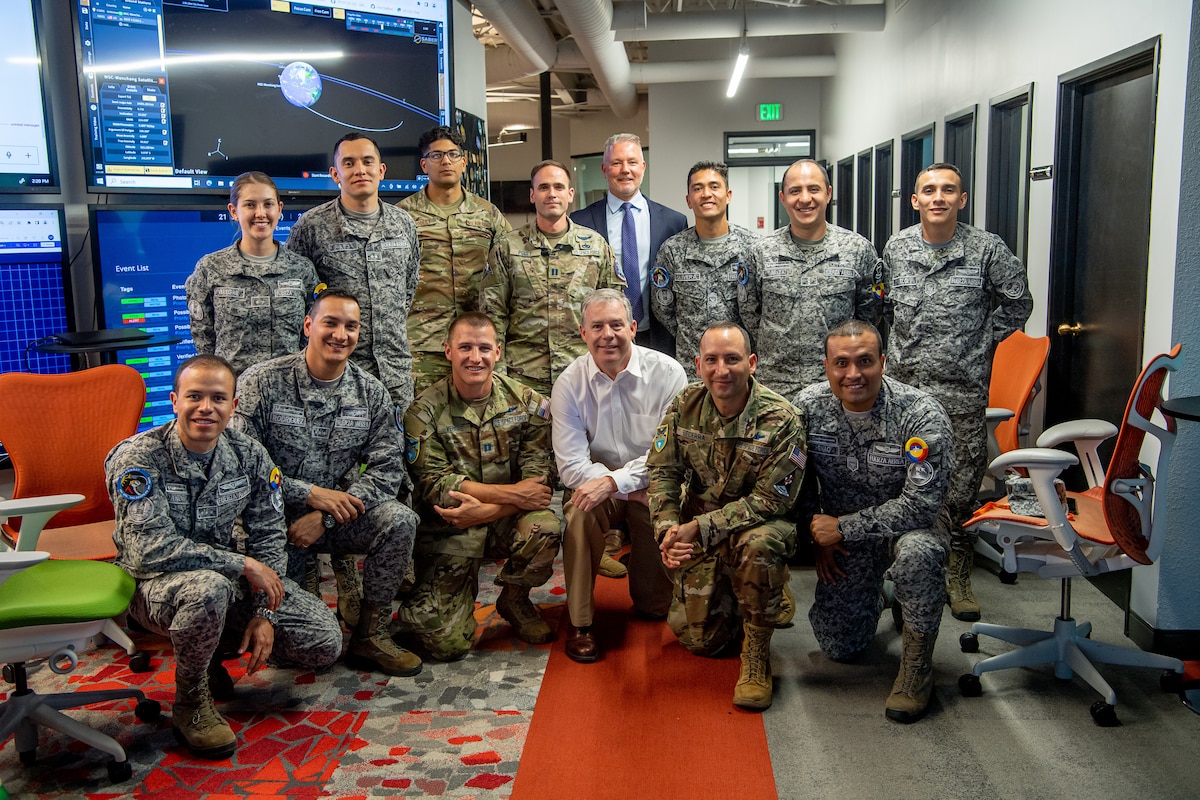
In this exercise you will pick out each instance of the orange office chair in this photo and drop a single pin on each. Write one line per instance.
(1116, 526)
(57, 430)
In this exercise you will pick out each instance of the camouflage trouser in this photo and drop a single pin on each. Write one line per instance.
(440, 609)
(195, 608)
(740, 578)
(583, 544)
(539, 386)
(384, 534)
(970, 464)
(428, 369)
(845, 614)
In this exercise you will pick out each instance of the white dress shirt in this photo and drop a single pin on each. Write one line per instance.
(604, 427)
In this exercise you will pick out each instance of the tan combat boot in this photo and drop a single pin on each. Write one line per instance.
(963, 604)
(787, 609)
(371, 646)
(514, 605)
(753, 689)
(197, 723)
(913, 688)
(349, 586)
(614, 540)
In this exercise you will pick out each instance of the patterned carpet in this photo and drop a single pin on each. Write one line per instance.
(455, 730)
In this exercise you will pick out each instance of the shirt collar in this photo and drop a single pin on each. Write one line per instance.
(615, 203)
(634, 367)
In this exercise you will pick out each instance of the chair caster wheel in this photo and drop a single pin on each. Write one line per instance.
(28, 757)
(1105, 715)
(119, 771)
(1171, 682)
(1008, 578)
(968, 643)
(969, 685)
(10, 674)
(148, 711)
(139, 662)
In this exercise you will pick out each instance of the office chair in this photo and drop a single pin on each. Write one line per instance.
(1116, 526)
(1016, 372)
(49, 610)
(57, 430)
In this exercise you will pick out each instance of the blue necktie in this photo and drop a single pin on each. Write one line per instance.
(629, 262)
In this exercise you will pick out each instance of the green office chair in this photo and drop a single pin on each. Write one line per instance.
(50, 610)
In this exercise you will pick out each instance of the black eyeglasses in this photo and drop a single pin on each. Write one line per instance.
(449, 155)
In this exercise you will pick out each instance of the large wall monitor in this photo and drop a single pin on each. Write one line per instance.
(184, 95)
(27, 159)
(141, 257)
(34, 293)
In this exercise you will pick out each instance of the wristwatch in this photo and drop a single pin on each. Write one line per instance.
(262, 612)
(329, 520)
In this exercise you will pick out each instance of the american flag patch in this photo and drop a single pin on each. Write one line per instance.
(544, 408)
(798, 457)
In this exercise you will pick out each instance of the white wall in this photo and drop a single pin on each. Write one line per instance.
(936, 57)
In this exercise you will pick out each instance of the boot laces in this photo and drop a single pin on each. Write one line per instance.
(914, 664)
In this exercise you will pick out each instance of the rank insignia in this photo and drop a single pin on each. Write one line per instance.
(134, 484)
(916, 450)
(659, 276)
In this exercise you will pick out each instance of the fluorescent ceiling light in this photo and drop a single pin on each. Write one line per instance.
(739, 66)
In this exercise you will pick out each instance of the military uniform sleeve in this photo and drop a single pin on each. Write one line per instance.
(749, 297)
(198, 288)
(662, 299)
(666, 471)
(262, 517)
(495, 292)
(609, 277)
(414, 271)
(924, 489)
(383, 459)
(1010, 286)
(299, 240)
(868, 298)
(148, 541)
(775, 491)
(427, 458)
(534, 456)
(886, 269)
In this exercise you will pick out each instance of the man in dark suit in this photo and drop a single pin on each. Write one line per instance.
(644, 221)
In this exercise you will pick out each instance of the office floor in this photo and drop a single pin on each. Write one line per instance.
(457, 730)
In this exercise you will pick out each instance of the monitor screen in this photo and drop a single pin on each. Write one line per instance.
(141, 257)
(184, 95)
(34, 294)
(27, 162)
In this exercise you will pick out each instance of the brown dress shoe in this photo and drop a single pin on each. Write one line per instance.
(581, 645)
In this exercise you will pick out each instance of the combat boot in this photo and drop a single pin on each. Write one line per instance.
(197, 724)
(787, 609)
(913, 688)
(312, 575)
(609, 566)
(963, 604)
(753, 689)
(371, 646)
(349, 588)
(514, 605)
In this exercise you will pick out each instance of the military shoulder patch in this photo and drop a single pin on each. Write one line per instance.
(743, 273)
(320, 287)
(660, 438)
(413, 449)
(134, 484)
(659, 276)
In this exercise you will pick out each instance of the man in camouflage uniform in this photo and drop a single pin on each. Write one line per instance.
(479, 447)
(457, 229)
(801, 280)
(177, 490)
(371, 250)
(697, 277)
(953, 292)
(883, 455)
(726, 466)
(536, 278)
(332, 430)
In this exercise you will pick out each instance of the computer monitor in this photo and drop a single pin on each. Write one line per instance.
(34, 286)
(181, 96)
(141, 256)
(27, 157)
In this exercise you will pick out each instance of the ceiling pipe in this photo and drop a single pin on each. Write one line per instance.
(774, 22)
(590, 22)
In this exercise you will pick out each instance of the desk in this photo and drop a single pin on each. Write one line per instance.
(106, 349)
(1183, 408)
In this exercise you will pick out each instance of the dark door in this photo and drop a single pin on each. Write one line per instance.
(916, 153)
(1009, 136)
(883, 195)
(845, 193)
(1100, 238)
(862, 217)
(960, 151)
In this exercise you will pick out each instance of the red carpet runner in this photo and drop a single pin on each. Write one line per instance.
(647, 720)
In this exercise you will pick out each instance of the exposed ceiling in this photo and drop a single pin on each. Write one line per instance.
(602, 55)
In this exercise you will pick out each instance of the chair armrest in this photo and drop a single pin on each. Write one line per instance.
(1034, 457)
(1077, 430)
(35, 512)
(993, 414)
(12, 562)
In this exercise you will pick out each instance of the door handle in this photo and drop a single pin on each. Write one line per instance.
(1070, 330)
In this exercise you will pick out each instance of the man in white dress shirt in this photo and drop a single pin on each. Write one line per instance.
(604, 409)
